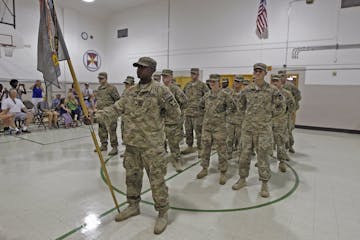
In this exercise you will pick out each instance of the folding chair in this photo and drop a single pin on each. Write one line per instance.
(39, 116)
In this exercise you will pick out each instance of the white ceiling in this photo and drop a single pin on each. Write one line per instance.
(100, 8)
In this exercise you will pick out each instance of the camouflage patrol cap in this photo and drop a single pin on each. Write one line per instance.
(225, 80)
(214, 77)
(129, 80)
(157, 76)
(238, 78)
(245, 82)
(167, 72)
(194, 70)
(282, 73)
(145, 62)
(275, 77)
(102, 75)
(261, 66)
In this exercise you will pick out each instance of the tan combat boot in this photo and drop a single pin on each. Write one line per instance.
(103, 148)
(114, 151)
(239, 184)
(132, 210)
(282, 166)
(188, 150)
(222, 179)
(291, 149)
(161, 222)
(264, 192)
(287, 158)
(177, 166)
(202, 173)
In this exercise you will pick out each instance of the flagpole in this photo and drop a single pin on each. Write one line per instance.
(86, 113)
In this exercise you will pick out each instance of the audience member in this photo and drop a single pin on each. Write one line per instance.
(16, 107)
(51, 114)
(37, 93)
(65, 113)
(19, 87)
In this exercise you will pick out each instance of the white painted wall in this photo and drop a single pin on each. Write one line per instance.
(23, 63)
(219, 36)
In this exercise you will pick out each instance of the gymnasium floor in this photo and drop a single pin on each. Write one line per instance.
(52, 188)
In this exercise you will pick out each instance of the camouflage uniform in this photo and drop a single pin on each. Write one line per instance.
(174, 127)
(106, 96)
(216, 105)
(260, 106)
(157, 77)
(131, 81)
(280, 124)
(233, 125)
(194, 91)
(291, 117)
(143, 109)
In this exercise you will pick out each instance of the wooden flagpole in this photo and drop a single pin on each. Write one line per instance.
(86, 113)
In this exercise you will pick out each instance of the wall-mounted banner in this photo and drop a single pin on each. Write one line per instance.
(92, 60)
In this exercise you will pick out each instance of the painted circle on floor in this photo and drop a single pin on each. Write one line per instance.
(280, 189)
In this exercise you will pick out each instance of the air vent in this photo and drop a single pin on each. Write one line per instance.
(122, 33)
(350, 3)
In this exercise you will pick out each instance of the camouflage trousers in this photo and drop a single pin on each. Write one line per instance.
(233, 132)
(280, 138)
(154, 162)
(291, 127)
(103, 134)
(174, 134)
(191, 124)
(215, 136)
(263, 143)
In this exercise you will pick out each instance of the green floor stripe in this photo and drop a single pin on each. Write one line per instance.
(293, 189)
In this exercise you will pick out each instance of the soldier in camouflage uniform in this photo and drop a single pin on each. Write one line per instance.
(225, 86)
(107, 95)
(261, 103)
(194, 91)
(216, 104)
(143, 109)
(129, 83)
(280, 123)
(156, 76)
(234, 119)
(173, 129)
(297, 97)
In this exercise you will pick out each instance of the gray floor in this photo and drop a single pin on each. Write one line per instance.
(51, 185)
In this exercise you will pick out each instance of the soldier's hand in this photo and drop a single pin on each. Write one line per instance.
(87, 120)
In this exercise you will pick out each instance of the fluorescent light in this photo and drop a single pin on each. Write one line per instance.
(88, 1)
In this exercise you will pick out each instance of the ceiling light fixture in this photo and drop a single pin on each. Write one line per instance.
(88, 1)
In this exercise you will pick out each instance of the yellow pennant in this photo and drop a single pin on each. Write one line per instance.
(55, 59)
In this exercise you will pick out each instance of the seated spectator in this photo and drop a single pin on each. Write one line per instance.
(51, 114)
(16, 107)
(65, 113)
(55, 104)
(8, 120)
(73, 105)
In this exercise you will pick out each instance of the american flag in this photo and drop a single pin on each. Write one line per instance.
(261, 21)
